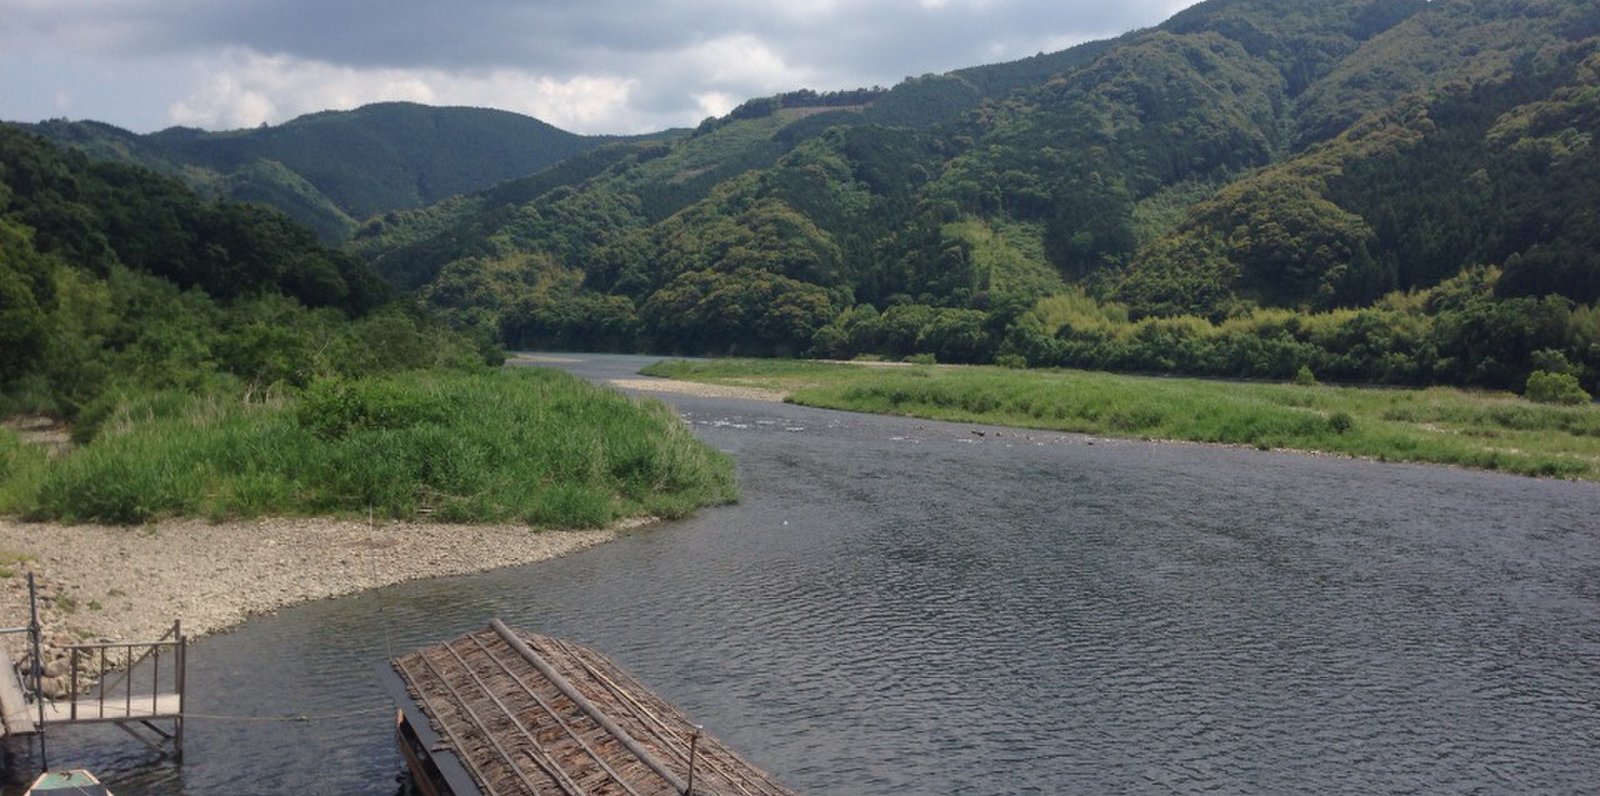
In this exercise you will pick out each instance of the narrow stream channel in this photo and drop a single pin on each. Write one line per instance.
(908, 607)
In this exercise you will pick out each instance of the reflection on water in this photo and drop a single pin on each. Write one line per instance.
(909, 607)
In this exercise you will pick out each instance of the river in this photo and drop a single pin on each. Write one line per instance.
(909, 607)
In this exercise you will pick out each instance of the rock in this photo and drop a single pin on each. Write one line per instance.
(55, 687)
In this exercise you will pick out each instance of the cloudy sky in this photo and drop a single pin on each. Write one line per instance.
(590, 66)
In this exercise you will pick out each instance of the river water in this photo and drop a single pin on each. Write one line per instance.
(908, 607)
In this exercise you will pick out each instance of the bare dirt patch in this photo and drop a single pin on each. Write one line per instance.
(46, 432)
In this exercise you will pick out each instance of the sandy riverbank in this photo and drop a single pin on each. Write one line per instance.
(672, 386)
(700, 389)
(106, 583)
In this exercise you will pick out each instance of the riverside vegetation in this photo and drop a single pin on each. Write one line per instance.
(214, 360)
(1494, 431)
(526, 445)
(1377, 191)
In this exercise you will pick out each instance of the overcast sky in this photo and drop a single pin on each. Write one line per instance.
(589, 66)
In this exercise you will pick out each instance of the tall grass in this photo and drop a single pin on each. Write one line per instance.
(21, 467)
(525, 445)
(1438, 425)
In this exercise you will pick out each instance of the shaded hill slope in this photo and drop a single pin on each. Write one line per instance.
(330, 170)
(114, 279)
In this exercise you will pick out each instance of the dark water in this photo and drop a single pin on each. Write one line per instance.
(913, 608)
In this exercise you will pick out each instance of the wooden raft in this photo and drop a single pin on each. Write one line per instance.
(530, 714)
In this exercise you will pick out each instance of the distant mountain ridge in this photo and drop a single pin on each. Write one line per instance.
(1399, 191)
(332, 169)
(1375, 190)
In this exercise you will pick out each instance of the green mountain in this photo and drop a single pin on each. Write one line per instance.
(114, 278)
(330, 170)
(1377, 190)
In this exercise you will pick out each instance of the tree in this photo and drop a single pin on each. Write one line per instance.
(1181, 277)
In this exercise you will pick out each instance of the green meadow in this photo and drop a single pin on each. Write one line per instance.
(1491, 431)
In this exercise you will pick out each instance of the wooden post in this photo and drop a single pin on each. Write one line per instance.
(181, 662)
(36, 639)
(72, 688)
(694, 744)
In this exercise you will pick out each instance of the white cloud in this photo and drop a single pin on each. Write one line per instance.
(245, 89)
(808, 11)
(92, 25)
(978, 5)
(715, 103)
(744, 61)
(598, 66)
(580, 104)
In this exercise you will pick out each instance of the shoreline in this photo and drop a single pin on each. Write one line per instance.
(700, 389)
(113, 583)
(1438, 427)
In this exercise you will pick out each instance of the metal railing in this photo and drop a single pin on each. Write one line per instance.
(104, 683)
(104, 657)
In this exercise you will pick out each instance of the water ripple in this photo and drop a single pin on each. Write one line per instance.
(902, 607)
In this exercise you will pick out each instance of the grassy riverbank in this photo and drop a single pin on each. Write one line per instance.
(1442, 426)
(523, 445)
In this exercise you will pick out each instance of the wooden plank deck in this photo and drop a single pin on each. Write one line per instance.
(529, 715)
(16, 715)
(115, 700)
(162, 706)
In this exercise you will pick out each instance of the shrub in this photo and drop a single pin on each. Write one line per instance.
(1554, 388)
(1341, 422)
(334, 408)
(1015, 361)
(922, 359)
(1304, 377)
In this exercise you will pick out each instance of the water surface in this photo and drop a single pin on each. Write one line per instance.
(909, 607)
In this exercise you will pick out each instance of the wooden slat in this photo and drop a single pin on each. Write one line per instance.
(163, 706)
(18, 717)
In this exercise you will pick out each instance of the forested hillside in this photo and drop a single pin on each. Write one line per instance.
(213, 359)
(334, 169)
(115, 279)
(1369, 190)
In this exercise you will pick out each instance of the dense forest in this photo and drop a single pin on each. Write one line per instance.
(1390, 191)
(332, 169)
(116, 280)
